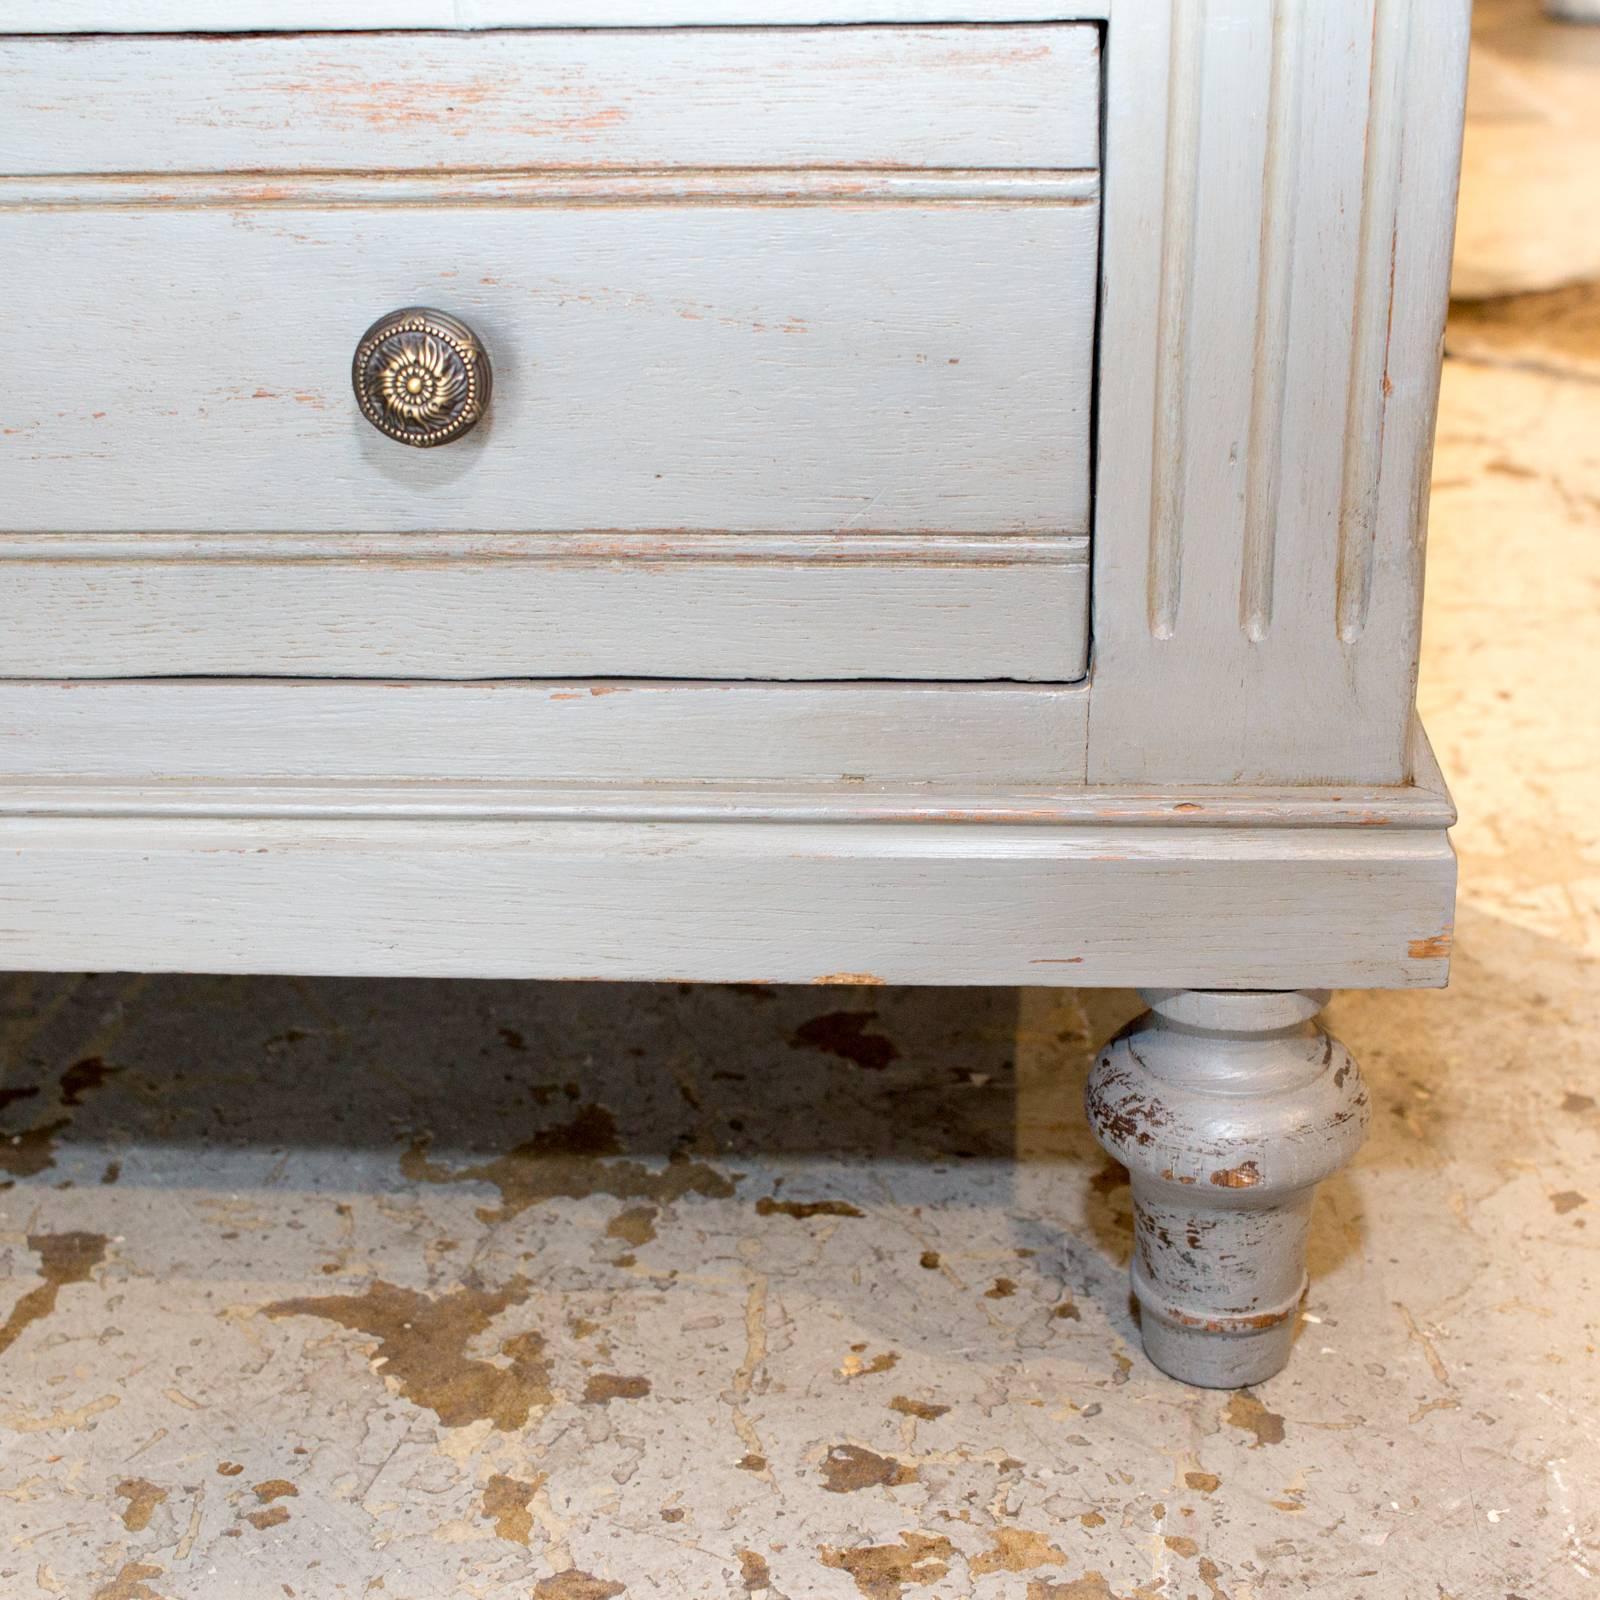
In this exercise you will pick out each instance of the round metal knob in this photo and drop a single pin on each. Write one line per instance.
(421, 377)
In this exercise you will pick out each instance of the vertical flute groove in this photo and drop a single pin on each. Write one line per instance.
(1366, 400)
(1274, 291)
(1184, 70)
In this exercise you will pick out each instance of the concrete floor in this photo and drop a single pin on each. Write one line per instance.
(332, 1289)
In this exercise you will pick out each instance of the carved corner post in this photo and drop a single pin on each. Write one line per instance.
(1227, 1110)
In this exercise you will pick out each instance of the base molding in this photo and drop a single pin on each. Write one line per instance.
(741, 901)
(777, 882)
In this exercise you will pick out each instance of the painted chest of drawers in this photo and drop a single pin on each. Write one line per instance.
(912, 493)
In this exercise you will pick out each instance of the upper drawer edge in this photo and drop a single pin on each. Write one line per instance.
(965, 97)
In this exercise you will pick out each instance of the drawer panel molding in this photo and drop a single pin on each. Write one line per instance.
(738, 605)
(778, 186)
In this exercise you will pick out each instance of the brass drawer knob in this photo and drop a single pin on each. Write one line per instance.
(421, 377)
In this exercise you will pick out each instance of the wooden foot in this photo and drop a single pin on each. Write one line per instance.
(1227, 1109)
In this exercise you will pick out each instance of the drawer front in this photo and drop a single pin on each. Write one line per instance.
(748, 419)
(809, 368)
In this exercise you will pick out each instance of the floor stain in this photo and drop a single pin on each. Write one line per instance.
(920, 1409)
(82, 1077)
(272, 1489)
(131, 1583)
(754, 1572)
(505, 1504)
(635, 1226)
(604, 1387)
(1567, 1200)
(1016, 1550)
(844, 1034)
(848, 1468)
(64, 1258)
(884, 1571)
(769, 1206)
(143, 1497)
(1091, 1586)
(570, 1162)
(26, 1154)
(575, 1585)
(422, 1345)
(1111, 1177)
(272, 1517)
(1245, 1411)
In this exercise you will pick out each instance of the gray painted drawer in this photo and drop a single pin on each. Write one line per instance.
(803, 394)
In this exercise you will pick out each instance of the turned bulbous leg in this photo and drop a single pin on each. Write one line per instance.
(1227, 1110)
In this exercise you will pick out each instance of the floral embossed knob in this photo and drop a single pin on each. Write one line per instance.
(421, 377)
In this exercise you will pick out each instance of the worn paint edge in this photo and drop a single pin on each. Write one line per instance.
(287, 190)
(600, 547)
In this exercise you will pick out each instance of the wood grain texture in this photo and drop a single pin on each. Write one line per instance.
(712, 606)
(582, 731)
(221, 16)
(1277, 248)
(769, 902)
(906, 367)
(908, 97)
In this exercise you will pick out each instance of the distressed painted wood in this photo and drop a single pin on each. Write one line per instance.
(1227, 1110)
(768, 902)
(939, 97)
(630, 731)
(421, 606)
(222, 16)
(793, 330)
(1277, 249)
(435, 191)
(905, 367)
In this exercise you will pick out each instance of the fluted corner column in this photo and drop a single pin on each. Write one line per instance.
(1227, 1108)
